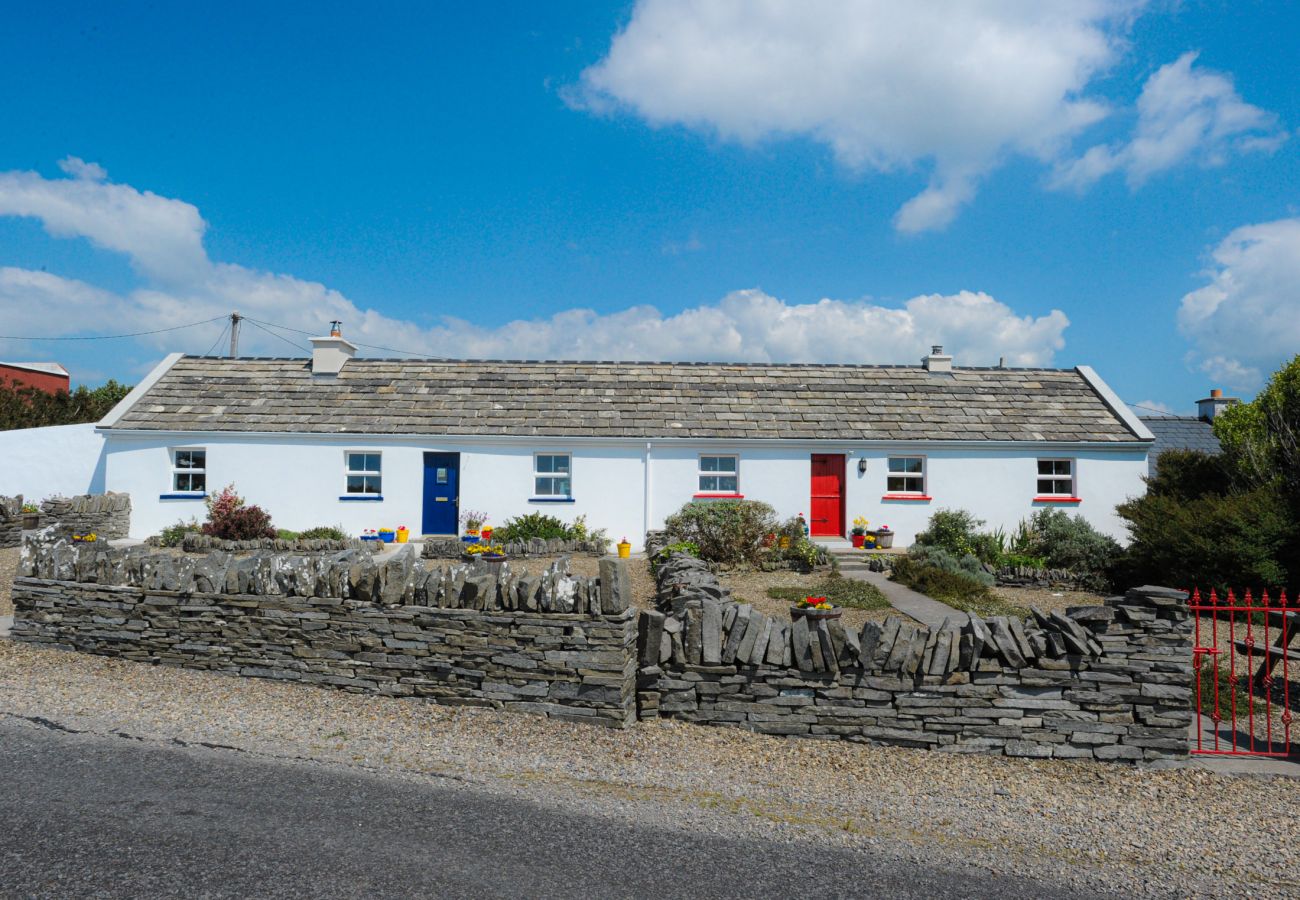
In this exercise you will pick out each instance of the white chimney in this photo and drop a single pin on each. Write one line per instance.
(1214, 404)
(936, 361)
(330, 354)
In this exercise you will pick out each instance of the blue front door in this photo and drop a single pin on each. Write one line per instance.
(441, 493)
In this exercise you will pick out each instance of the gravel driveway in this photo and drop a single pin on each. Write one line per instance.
(1091, 826)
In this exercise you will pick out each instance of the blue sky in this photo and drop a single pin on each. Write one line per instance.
(1101, 183)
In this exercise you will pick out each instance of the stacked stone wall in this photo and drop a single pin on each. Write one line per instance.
(11, 521)
(1108, 682)
(105, 515)
(449, 549)
(549, 643)
(195, 542)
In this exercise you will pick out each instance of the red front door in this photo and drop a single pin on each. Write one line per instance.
(827, 495)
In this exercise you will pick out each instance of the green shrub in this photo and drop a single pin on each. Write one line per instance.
(953, 530)
(1069, 542)
(955, 588)
(532, 525)
(1213, 541)
(285, 534)
(846, 592)
(727, 532)
(940, 558)
(324, 533)
(173, 535)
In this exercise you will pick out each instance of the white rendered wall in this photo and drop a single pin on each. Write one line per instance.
(996, 485)
(61, 460)
(299, 481)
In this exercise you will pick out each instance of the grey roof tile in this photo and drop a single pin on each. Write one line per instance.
(635, 400)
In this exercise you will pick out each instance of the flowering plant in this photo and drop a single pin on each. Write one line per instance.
(385, 531)
(884, 527)
(473, 519)
(860, 524)
(31, 508)
(811, 602)
(88, 538)
(480, 549)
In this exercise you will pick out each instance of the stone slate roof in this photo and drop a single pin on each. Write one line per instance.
(627, 400)
(1179, 433)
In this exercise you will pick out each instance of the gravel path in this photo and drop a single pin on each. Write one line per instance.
(1047, 599)
(1091, 826)
(8, 566)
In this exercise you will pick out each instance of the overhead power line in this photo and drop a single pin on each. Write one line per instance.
(259, 327)
(358, 343)
(108, 337)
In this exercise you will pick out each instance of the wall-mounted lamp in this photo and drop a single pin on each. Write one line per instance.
(862, 466)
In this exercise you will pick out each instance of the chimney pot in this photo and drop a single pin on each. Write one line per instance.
(1211, 406)
(336, 328)
(330, 354)
(937, 361)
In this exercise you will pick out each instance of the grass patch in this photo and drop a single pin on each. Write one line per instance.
(846, 592)
(1246, 702)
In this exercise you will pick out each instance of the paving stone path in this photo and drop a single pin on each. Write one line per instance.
(923, 609)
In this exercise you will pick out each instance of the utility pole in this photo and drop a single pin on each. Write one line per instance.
(234, 334)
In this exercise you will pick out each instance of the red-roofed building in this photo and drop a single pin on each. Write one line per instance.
(45, 376)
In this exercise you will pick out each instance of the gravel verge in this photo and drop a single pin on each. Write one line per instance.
(8, 566)
(1104, 828)
(1047, 599)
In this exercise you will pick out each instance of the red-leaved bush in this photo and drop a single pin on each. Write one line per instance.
(230, 519)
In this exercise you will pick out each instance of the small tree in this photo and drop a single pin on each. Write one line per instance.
(231, 519)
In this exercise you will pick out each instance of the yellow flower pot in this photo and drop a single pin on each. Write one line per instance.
(403, 535)
(624, 550)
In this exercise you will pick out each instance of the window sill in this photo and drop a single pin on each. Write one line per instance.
(715, 496)
(184, 495)
(1057, 499)
(363, 498)
(551, 500)
(923, 498)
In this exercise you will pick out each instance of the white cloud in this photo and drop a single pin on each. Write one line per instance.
(1246, 321)
(1184, 114)
(885, 85)
(745, 325)
(164, 238)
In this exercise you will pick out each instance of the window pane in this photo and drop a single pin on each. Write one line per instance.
(1044, 467)
(708, 464)
(442, 476)
(544, 463)
(542, 487)
(363, 484)
(708, 482)
(727, 483)
(198, 481)
(562, 487)
(561, 464)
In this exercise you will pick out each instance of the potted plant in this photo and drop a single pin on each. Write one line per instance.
(884, 538)
(387, 535)
(812, 607)
(859, 532)
(485, 552)
(403, 534)
(370, 535)
(31, 516)
(472, 521)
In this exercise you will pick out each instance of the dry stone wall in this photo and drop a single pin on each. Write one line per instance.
(1108, 682)
(548, 643)
(195, 542)
(449, 549)
(11, 521)
(105, 515)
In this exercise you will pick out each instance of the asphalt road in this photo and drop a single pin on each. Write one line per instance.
(103, 816)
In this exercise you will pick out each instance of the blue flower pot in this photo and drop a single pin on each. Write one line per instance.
(389, 537)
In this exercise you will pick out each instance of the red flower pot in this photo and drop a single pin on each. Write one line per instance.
(857, 540)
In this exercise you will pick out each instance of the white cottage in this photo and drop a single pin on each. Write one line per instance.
(370, 443)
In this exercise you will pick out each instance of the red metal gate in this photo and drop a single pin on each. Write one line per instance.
(1241, 663)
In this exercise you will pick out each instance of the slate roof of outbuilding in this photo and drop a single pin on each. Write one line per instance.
(1180, 433)
(627, 400)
